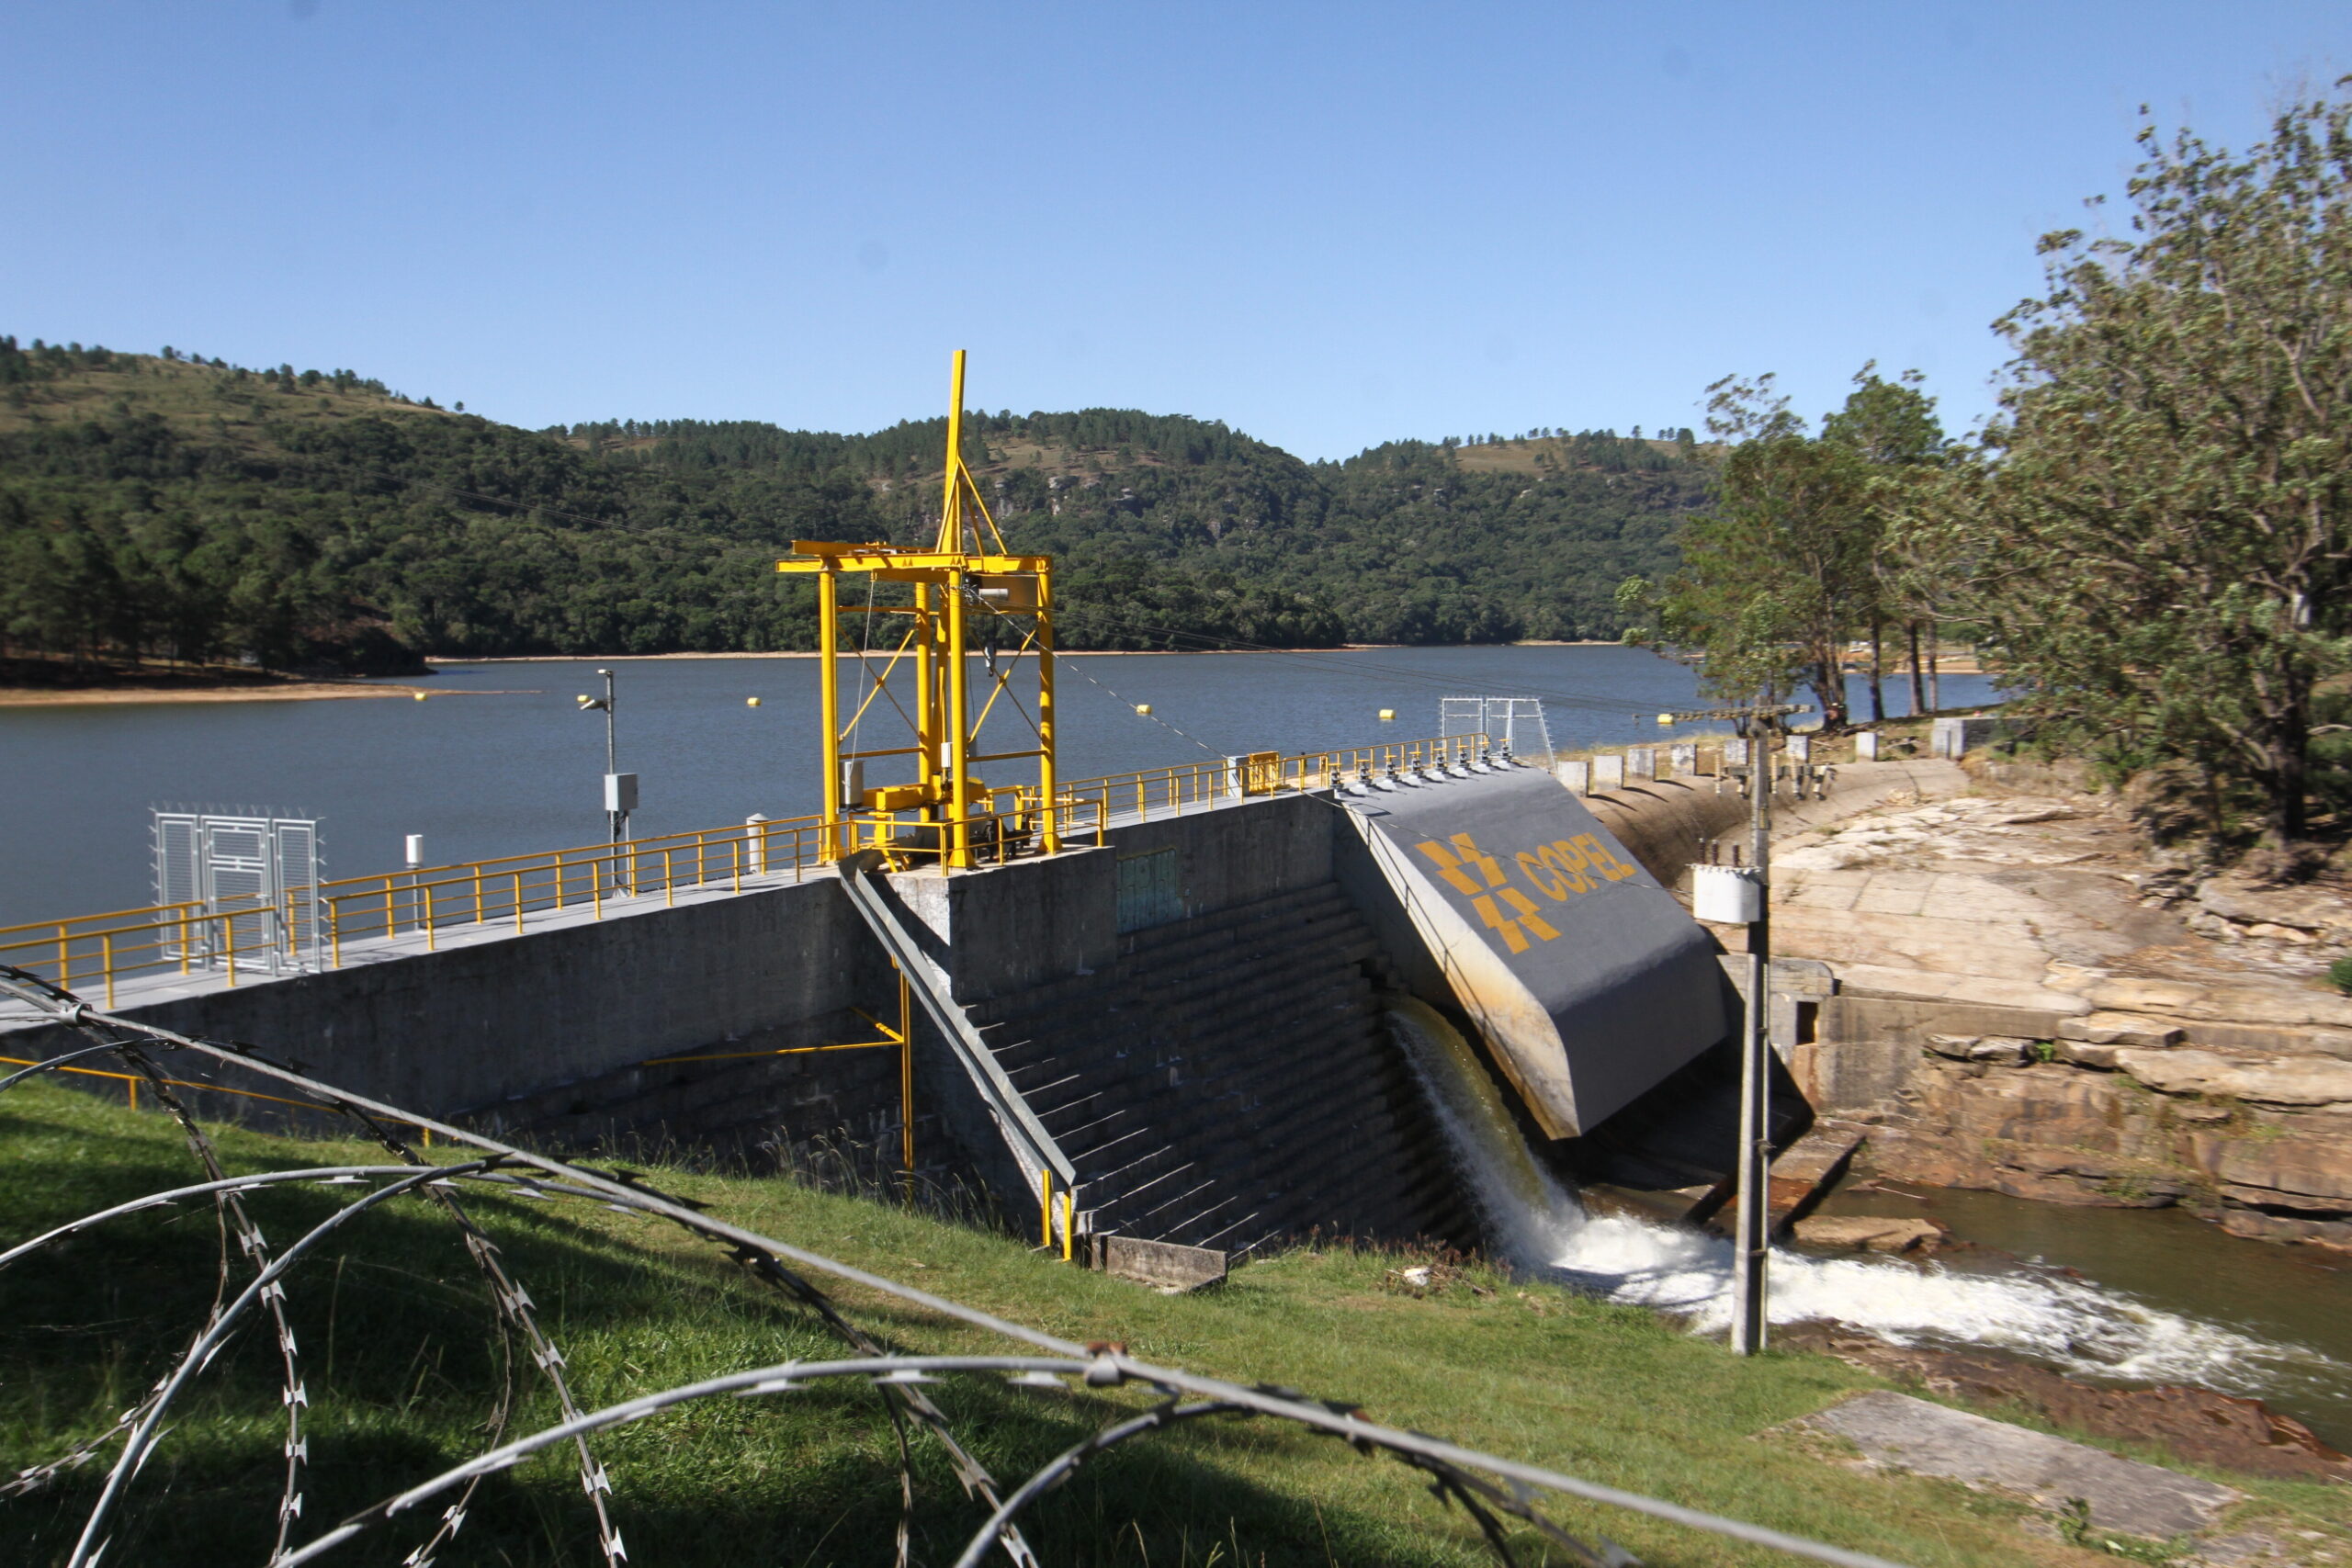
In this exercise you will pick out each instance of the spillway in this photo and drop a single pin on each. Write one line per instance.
(1506, 899)
(2075, 1325)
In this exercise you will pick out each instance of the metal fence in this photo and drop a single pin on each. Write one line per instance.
(310, 924)
(242, 937)
(509, 889)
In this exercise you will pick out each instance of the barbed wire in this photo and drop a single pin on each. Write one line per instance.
(1488, 1488)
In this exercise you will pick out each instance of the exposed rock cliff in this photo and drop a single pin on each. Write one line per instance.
(2027, 1000)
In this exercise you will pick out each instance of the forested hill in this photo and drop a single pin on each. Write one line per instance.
(173, 505)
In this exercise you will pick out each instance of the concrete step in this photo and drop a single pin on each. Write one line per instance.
(1175, 931)
(1219, 951)
(1185, 945)
(1288, 1106)
(1331, 943)
(1251, 1029)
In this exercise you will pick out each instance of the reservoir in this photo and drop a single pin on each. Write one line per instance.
(518, 772)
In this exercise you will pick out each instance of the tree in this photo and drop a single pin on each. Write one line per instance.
(2161, 534)
(1777, 576)
(1892, 426)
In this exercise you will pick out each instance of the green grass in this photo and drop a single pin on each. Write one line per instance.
(401, 1368)
(197, 399)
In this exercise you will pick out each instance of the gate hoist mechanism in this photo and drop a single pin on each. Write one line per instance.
(966, 598)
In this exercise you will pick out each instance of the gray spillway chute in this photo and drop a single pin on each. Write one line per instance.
(1589, 982)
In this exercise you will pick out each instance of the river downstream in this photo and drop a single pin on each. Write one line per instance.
(2134, 1297)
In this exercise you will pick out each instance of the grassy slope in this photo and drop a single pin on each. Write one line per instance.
(1537, 458)
(192, 398)
(399, 1371)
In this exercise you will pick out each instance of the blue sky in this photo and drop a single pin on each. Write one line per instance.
(1329, 225)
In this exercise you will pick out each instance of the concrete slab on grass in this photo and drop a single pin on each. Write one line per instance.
(1903, 1433)
(1165, 1266)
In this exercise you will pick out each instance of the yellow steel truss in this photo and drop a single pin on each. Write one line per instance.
(967, 577)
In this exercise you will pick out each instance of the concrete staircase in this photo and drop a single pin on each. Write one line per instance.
(1229, 1083)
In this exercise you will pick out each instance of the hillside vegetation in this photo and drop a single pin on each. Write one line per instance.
(160, 505)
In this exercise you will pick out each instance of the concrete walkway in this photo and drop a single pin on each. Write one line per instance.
(165, 985)
(1898, 1432)
(146, 990)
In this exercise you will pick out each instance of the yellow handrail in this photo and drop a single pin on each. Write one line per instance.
(109, 915)
(113, 953)
(429, 900)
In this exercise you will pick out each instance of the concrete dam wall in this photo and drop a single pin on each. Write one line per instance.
(1192, 1010)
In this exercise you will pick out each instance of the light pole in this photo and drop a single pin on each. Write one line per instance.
(1752, 1231)
(620, 789)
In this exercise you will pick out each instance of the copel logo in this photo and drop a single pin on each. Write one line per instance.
(1560, 871)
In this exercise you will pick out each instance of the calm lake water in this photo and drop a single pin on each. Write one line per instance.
(484, 776)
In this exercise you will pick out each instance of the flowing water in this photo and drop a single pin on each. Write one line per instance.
(2034, 1306)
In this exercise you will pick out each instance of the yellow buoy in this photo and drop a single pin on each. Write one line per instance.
(422, 695)
(1666, 718)
(750, 702)
(1144, 708)
(1387, 715)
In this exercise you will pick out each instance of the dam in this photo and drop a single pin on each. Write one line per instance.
(1151, 1006)
(1173, 1031)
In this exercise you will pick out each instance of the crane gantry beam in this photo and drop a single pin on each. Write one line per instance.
(965, 578)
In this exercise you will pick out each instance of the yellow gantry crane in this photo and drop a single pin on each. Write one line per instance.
(969, 600)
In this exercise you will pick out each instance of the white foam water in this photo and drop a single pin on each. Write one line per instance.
(2063, 1320)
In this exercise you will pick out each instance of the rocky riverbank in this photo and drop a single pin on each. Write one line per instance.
(2020, 994)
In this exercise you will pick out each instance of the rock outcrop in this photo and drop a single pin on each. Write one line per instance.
(2026, 1000)
(2196, 1425)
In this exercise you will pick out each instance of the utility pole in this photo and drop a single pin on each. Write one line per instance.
(1752, 1230)
(620, 789)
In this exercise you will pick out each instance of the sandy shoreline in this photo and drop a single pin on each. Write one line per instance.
(1063, 653)
(50, 698)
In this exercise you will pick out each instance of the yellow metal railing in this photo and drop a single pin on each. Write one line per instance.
(237, 939)
(426, 901)
(1012, 818)
(94, 948)
(1092, 804)
(131, 1082)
